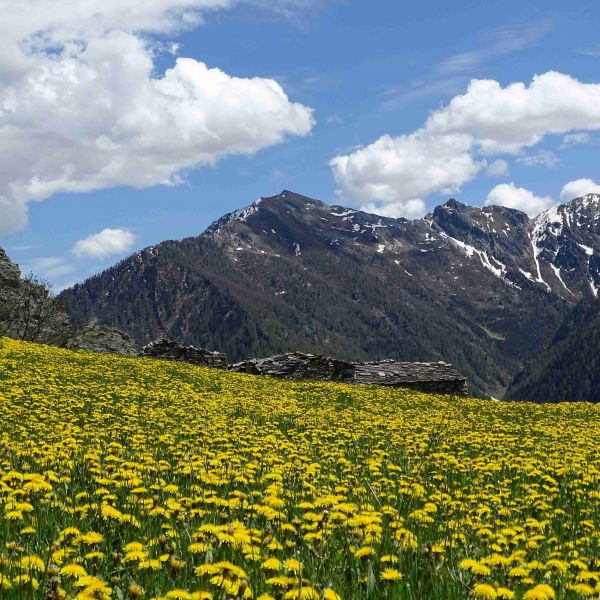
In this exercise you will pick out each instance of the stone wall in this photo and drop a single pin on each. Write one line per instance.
(298, 365)
(435, 378)
(169, 350)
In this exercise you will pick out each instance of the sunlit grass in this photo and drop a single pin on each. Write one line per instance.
(127, 478)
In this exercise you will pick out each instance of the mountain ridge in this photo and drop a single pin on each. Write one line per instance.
(290, 272)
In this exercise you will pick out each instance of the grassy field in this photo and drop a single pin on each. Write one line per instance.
(126, 478)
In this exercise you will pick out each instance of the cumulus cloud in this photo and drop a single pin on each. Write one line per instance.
(497, 168)
(402, 171)
(447, 151)
(410, 209)
(579, 188)
(105, 243)
(508, 194)
(81, 107)
(519, 115)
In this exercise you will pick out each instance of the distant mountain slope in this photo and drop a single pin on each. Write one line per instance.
(570, 369)
(484, 289)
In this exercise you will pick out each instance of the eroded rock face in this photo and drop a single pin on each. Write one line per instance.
(100, 338)
(298, 365)
(169, 350)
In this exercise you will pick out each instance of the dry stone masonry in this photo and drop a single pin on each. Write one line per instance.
(297, 365)
(436, 377)
(169, 350)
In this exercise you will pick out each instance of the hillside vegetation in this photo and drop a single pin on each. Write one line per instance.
(127, 477)
(569, 369)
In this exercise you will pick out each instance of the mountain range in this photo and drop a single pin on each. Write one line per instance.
(482, 288)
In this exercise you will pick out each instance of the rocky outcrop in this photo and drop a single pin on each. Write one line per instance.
(298, 365)
(100, 338)
(9, 272)
(169, 350)
(28, 311)
(437, 377)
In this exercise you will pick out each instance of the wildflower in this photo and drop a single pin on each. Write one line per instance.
(391, 575)
(541, 591)
(271, 564)
(291, 564)
(73, 570)
(179, 594)
(364, 552)
(136, 590)
(485, 591)
(32, 563)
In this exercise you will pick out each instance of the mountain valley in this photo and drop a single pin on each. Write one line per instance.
(482, 288)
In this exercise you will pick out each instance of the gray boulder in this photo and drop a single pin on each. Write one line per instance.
(100, 338)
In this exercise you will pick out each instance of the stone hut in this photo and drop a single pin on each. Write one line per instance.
(436, 377)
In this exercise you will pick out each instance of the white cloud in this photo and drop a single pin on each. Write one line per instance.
(508, 194)
(519, 116)
(579, 188)
(573, 139)
(498, 168)
(486, 120)
(405, 168)
(81, 107)
(545, 158)
(410, 209)
(105, 243)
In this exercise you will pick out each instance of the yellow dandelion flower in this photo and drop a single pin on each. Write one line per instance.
(364, 552)
(391, 575)
(179, 594)
(291, 564)
(485, 591)
(541, 591)
(271, 564)
(73, 570)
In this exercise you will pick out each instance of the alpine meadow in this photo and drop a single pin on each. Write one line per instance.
(299, 300)
(136, 478)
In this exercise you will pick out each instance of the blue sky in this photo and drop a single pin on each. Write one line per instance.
(366, 69)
